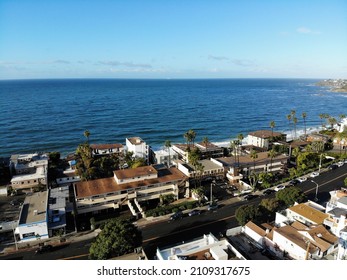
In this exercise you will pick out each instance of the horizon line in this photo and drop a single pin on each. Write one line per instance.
(240, 78)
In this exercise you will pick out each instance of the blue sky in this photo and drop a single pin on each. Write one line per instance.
(173, 39)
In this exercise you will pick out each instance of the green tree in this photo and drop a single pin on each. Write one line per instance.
(272, 125)
(199, 193)
(291, 195)
(138, 162)
(271, 154)
(205, 142)
(254, 156)
(266, 179)
(289, 118)
(270, 204)
(345, 181)
(118, 237)
(86, 134)
(295, 121)
(247, 213)
(332, 121)
(253, 180)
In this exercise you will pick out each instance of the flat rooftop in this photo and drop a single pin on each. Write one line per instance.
(135, 172)
(34, 209)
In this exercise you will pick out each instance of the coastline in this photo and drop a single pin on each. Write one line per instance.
(335, 85)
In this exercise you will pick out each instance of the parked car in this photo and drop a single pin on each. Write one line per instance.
(44, 249)
(333, 166)
(340, 163)
(268, 191)
(249, 196)
(15, 202)
(314, 174)
(178, 215)
(302, 179)
(194, 212)
(293, 182)
(212, 207)
(280, 187)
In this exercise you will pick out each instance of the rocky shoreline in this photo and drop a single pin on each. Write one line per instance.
(336, 85)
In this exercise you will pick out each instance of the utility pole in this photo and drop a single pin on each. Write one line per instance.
(211, 192)
(316, 198)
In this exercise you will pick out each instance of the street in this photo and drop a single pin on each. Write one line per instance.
(161, 234)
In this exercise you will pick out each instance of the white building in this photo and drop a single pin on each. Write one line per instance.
(165, 156)
(30, 170)
(129, 187)
(106, 149)
(263, 138)
(211, 168)
(206, 248)
(303, 242)
(42, 214)
(138, 147)
(67, 177)
(207, 151)
(303, 213)
(33, 219)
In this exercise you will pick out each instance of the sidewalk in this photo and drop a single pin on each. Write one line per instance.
(152, 220)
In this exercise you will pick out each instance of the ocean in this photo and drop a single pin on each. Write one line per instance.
(52, 115)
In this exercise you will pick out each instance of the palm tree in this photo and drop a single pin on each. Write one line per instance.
(205, 141)
(271, 154)
(239, 142)
(304, 115)
(187, 137)
(341, 117)
(295, 121)
(289, 118)
(254, 156)
(233, 145)
(272, 125)
(192, 135)
(332, 121)
(86, 134)
(168, 146)
(321, 116)
(240, 137)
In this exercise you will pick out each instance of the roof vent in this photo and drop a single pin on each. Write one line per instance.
(35, 212)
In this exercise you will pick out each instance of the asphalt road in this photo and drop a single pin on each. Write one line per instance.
(171, 232)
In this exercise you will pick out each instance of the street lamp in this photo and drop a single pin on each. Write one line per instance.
(316, 198)
(212, 184)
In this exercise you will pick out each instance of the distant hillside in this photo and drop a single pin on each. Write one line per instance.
(339, 85)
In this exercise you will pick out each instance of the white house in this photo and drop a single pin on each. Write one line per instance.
(106, 149)
(138, 147)
(211, 168)
(33, 219)
(67, 177)
(165, 155)
(303, 213)
(206, 248)
(43, 214)
(31, 170)
(263, 138)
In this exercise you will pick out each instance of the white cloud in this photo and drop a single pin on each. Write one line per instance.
(306, 30)
(219, 58)
(126, 64)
